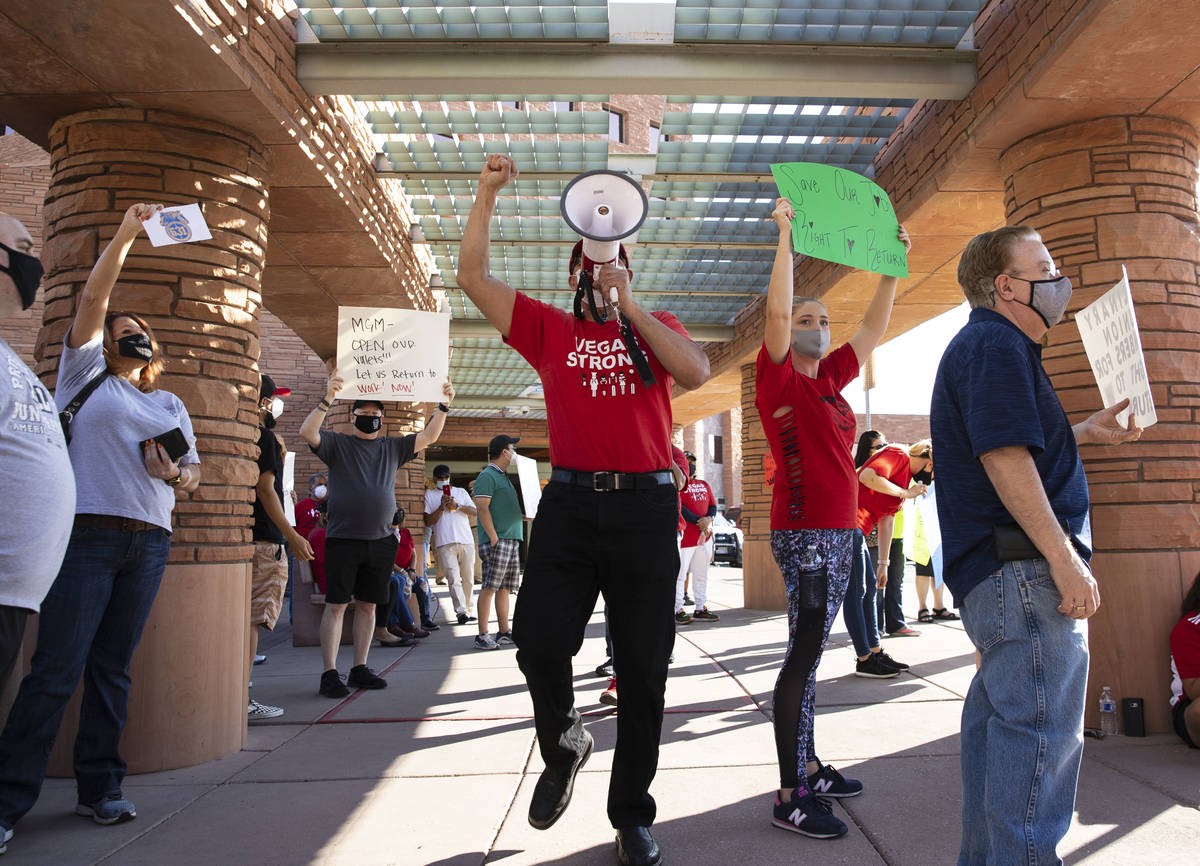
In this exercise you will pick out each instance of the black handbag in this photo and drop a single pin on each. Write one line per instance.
(67, 415)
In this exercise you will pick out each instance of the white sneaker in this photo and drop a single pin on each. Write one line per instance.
(486, 642)
(256, 712)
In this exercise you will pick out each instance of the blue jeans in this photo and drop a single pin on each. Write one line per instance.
(1022, 722)
(858, 612)
(889, 602)
(91, 622)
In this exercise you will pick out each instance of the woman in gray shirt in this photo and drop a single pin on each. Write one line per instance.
(92, 618)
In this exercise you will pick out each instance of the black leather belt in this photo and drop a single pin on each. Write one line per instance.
(604, 482)
(112, 521)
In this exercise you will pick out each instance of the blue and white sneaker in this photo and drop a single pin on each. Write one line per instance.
(808, 815)
(111, 809)
(5, 835)
(828, 782)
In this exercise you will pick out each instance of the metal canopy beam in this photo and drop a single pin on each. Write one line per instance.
(565, 176)
(751, 69)
(701, 333)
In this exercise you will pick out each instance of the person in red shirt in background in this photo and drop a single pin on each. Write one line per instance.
(309, 509)
(607, 518)
(316, 540)
(697, 507)
(1185, 669)
(883, 486)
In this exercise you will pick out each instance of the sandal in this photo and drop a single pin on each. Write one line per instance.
(943, 614)
(923, 615)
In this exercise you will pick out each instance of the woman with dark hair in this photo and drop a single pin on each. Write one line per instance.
(1185, 669)
(126, 479)
(814, 537)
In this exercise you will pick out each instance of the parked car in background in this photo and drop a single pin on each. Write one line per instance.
(727, 542)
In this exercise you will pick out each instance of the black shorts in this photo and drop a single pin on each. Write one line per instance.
(1177, 712)
(362, 569)
(925, 570)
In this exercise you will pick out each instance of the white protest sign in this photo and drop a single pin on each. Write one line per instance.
(531, 486)
(927, 507)
(388, 354)
(177, 225)
(1110, 336)
(289, 484)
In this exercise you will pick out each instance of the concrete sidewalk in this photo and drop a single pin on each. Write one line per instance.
(438, 768)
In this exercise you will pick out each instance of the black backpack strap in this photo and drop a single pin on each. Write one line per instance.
(67, 415)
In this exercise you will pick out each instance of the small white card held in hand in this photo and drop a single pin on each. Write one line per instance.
(177, 225)
(1109, 331)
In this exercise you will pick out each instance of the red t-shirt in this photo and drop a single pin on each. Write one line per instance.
(307, 515)
(815, 485)
(316, 540)
(1185, 653)
(890, 462)
(681, 461)
(600, 416)
(404, 552)
(696, 498)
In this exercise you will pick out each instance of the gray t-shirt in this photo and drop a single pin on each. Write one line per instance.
(35, 474)
(362, 482)
(106, 437)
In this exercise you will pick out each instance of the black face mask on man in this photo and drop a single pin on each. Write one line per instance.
(26, 272)
(368, 423)
(925, 476)
(136, 346)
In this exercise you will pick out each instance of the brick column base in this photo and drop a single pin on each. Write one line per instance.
(1107, 192)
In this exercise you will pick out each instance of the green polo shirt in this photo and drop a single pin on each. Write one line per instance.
(504, 507)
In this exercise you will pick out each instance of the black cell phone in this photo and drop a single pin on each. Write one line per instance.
(173, 442)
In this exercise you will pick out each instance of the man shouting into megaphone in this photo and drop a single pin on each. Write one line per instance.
(607, 519)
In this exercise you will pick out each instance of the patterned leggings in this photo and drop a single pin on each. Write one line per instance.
(808, 630)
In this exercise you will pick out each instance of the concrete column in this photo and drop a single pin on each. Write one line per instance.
(1107, 192)
(762, 584)
(188, 701)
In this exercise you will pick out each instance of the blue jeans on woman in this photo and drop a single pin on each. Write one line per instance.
(91, 622)
(1022, 722)
(889, 605)
(858, 612)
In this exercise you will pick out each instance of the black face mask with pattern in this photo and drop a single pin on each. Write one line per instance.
(368, 423)
(136, 346)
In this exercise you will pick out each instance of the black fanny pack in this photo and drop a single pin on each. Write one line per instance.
(1011, 542)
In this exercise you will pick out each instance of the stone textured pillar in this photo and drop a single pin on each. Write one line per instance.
(1107, 192)
(732, 457)
(762, 584)
(188, 701)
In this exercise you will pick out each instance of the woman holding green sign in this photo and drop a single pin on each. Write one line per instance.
(814, 535)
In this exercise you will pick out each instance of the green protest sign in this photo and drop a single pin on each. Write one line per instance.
(841, 217)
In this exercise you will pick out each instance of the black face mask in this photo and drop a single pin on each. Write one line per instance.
(925, 476)
(269, 421)
(368, 423)
(26, 271)
(136, 346)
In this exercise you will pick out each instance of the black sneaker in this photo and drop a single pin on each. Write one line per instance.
(890, 662)
(687, 599)
(332, 685)
(874, 667)
(464, 618)
(808, 815)
(605, 669)
(429, 625)
(828, 782)
(362, 677)
(552, 793)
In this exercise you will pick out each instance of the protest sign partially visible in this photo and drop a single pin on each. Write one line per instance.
(389, 354)
(289, 485)
(926, 506)
(177, 225)
(841, 217)
(1108, 328)
(531, 485)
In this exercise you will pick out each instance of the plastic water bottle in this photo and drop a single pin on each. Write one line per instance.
(813, 580)
(1108, 712)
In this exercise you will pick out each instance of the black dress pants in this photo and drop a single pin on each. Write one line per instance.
(621, 544)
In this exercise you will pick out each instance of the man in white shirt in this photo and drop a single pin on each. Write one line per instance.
(450, 513)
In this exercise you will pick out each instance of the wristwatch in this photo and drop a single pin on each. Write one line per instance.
(176, 481)
(444, 408)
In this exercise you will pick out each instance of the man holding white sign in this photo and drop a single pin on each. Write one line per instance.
(1013, 509)
(360, 547)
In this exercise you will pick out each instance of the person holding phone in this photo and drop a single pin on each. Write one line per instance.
(126, 481)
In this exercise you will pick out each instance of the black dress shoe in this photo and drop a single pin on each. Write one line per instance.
(636, 847)
(552, 793)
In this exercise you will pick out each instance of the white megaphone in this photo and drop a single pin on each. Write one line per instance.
(604, 207)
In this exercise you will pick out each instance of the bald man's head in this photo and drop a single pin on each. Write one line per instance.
(14, 236)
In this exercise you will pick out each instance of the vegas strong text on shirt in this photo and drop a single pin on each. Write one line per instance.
(810, 428)
(599, 414)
